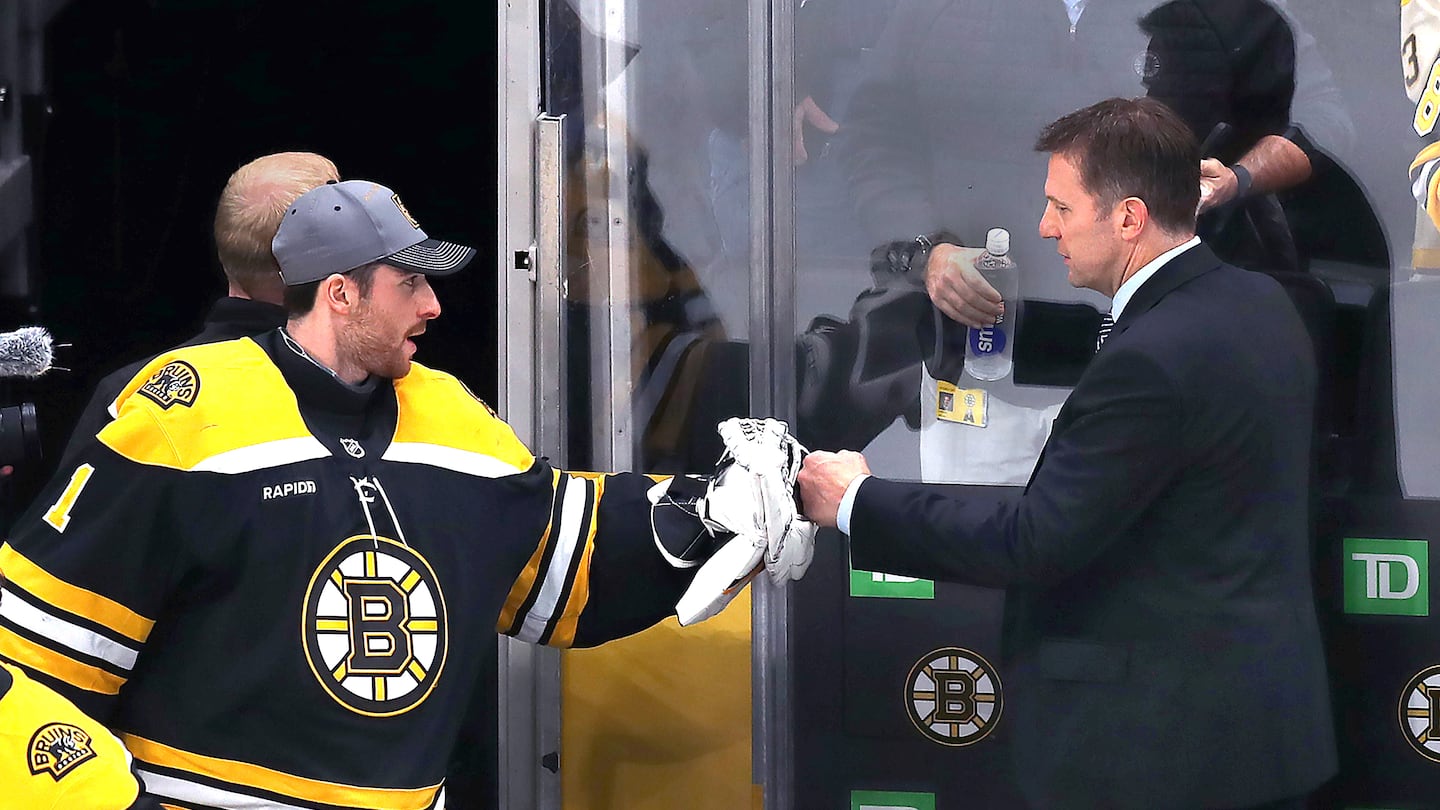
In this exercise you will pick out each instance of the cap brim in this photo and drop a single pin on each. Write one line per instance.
(431, 257)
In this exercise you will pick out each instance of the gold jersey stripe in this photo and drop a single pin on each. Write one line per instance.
(238, 387)
(1429, 153)
(61, 667)
(1425, 257)
(71, 599)
(526, 581)
(244, 774)
(452, 417)
(564, 634)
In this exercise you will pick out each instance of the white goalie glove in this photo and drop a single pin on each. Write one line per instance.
(752, 497)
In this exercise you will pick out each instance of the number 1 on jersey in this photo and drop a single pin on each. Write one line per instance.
(59, 514)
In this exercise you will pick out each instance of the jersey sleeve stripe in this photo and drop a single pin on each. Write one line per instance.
(71, 599)
(523, 592)
(244, 776)
(22, 613)
(21, 650)
(574, 520)
(562, 630)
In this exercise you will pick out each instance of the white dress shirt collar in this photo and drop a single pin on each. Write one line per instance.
(1127, 290)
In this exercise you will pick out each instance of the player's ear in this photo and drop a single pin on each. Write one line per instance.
(338, 292)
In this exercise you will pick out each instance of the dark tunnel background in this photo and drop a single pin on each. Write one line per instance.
(153, 103)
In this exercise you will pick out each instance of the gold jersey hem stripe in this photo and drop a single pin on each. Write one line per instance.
(243, 774)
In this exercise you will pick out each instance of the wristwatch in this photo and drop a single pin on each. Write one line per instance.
(907, 259)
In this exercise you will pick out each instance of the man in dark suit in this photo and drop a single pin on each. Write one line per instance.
(1160, 638)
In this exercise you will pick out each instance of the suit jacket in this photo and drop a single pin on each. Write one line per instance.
(1160, 639)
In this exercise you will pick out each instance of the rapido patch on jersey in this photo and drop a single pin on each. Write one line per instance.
(374, 627)
(175, 384)
(58, 749)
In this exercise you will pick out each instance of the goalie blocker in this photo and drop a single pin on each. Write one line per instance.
(748, 514)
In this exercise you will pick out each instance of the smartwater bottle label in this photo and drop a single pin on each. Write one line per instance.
(987, 340)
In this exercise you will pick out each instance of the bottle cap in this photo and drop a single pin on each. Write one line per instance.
(997, 242)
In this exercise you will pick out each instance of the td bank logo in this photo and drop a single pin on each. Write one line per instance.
(1387, 577)
(893, 586)
(890, 800)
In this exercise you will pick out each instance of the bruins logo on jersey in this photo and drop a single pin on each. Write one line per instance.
(374, 626)
(953, 696)
(58, 749)
(1420, 713)
(175, 384)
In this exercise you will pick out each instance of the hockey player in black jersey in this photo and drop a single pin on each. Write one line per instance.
(276, 573)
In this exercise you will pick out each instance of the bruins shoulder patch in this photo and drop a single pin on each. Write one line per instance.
(176, 384)
(58, 749)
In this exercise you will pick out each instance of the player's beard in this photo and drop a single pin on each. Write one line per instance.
(375, 345)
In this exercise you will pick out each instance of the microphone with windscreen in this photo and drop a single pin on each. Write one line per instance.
(25, 352)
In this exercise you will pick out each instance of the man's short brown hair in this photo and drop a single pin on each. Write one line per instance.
(1132, 147)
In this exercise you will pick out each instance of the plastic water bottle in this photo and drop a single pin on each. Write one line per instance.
(988, 349)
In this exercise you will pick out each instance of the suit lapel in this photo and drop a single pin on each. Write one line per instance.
(1191, 264)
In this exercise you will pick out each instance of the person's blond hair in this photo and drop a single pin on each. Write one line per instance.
(248, 214)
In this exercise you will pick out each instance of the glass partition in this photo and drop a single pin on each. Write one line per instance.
(753, 192)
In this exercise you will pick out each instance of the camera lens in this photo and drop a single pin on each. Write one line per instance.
(19, 434)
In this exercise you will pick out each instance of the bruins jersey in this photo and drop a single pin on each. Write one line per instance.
(53, 756)
(278, 588)
(1420, 63)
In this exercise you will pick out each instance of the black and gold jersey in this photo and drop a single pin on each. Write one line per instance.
(1420, 65)
(280, 588)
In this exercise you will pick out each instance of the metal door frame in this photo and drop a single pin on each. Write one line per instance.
(530, 209)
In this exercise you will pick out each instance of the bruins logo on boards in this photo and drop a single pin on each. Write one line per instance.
(175, 384)
(374, 626)
(58, 749)
(953, 696)
(1420, 713)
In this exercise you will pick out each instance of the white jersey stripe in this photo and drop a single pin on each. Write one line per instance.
(264, 456)
(573, 523)
(71, 635)
(450, 458)
(185, 791)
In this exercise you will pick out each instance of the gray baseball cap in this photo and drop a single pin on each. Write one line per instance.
(338, 227)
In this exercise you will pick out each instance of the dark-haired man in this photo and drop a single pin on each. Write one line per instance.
(1160, 631)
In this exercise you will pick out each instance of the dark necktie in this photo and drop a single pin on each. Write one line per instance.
(1106, 324)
